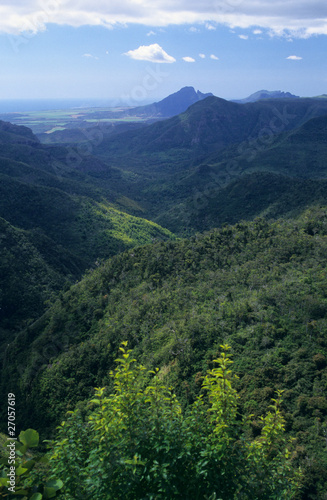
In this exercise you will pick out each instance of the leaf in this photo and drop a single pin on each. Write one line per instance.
(56, 484)
(29, 464)
(29, 438)
(20, 449)
(20, 471)
(49, 492)
(36, 496)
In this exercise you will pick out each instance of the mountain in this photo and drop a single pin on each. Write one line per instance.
(13, 134)
(267, 94)
(78, 131)
(209, 125)
(215, 163)
(85, 129)
(32, 270)
(244, 198)
(275, 179)
(172, 105)
(164, 171)
(176, 161)
(258, 286)
(56, 222)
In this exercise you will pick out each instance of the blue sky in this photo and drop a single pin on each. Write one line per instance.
(139, 51)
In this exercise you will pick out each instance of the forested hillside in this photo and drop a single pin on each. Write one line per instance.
(258, 286)
(56, 223)
(188, 171)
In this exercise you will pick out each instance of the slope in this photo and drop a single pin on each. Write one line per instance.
(272, 175)
(258, 286)
(32, 270)
(206, 127)
(208, 203)
(58, 210)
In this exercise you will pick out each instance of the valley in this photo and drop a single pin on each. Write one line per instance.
(177, 227)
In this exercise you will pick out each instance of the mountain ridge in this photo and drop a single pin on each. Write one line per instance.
(266, 94)
(172, 105)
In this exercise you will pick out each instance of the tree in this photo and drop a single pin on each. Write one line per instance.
(137, 443)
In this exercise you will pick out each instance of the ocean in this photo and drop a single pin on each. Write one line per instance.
(21, 105)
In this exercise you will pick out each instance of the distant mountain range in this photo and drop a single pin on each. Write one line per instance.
(267, 94)
(208, 126)
(172, 105)
(62, 126)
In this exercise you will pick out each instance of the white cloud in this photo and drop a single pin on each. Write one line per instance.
(257, 32)
(193, 29)
(301, 18)
(202, 56)
(243, 37)
(215, 58)
(210, 27)
(294, 58)
(188, 59)
(153, 53)
(150, 33)
(90, 56)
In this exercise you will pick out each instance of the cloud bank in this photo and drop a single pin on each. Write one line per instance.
(299, 17)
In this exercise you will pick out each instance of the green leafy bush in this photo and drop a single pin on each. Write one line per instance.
(21, 472)
(137, 443)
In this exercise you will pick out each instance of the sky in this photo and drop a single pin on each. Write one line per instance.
(139, 51)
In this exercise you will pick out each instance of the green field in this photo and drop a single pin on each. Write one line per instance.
(61, 119)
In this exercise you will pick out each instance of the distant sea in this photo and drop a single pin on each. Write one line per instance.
(21, 105)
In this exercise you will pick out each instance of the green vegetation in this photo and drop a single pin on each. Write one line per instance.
(56, 223)
(258, 286)
(248, 196)
(22, 473)
(32, 270)
(138, 443)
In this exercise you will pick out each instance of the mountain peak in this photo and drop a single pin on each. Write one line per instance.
(178, 102)
(267, 94)
(174, 104)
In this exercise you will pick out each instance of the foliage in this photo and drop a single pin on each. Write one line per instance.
(22, 474)
(27, 279)
(137, 443)
(258, 286)
(50, 236)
